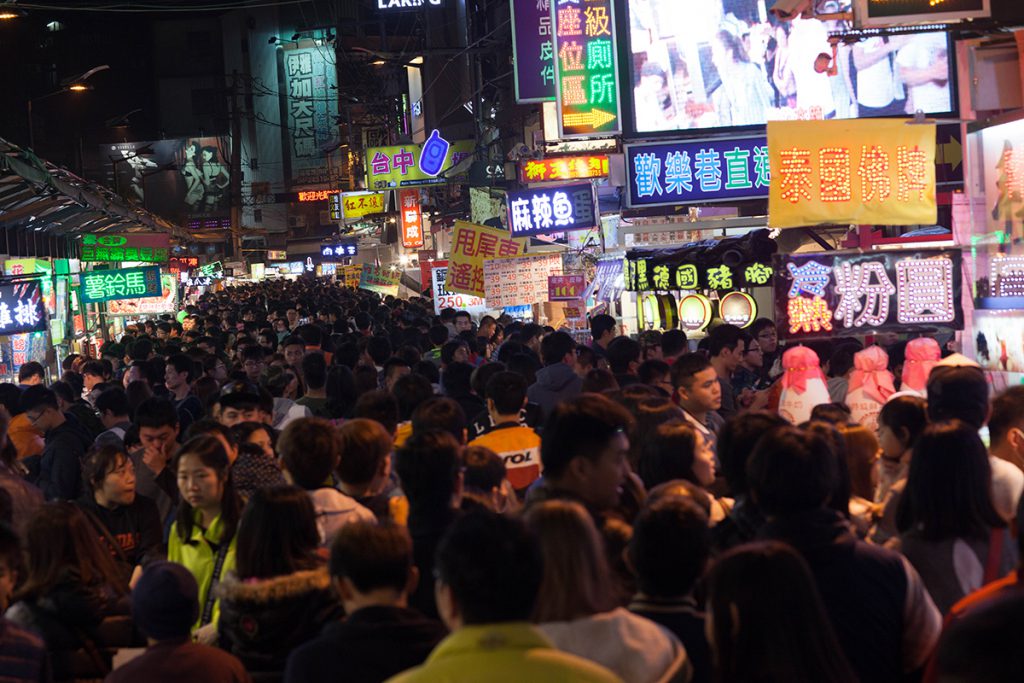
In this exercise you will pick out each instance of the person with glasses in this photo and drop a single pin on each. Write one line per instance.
(59, 467)
(748, 374)
(767, 337)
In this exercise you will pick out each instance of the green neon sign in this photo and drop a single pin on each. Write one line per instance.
(586, 68)
(126, 283)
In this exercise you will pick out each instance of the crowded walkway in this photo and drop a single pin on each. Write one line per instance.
(297, 481)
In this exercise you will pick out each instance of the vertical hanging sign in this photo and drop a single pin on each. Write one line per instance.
(533, 50)
(412, 218)
(586, 68)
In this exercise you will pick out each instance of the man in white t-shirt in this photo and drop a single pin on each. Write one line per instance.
(924, 67)
(879, 89)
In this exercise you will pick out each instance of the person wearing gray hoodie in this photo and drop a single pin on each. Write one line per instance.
(558, 380)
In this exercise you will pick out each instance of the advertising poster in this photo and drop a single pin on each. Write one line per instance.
(533, 50)
(471, 245)
(311, 83)
(355, 205)
(519, 281)
(351, 275)
(167, 302)
(186, 180)
(720, 63)
(871, 172)
(416, 163)
(443, 298)
(565, 287)
(378, 279)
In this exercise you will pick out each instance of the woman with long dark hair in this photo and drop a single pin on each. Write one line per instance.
(72, 588)
(280, 594)
(766, 622)
(949, 529)
(202, 538)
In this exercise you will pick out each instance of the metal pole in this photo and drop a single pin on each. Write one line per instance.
(31, 130)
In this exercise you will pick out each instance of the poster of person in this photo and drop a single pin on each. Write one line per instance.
(722, 63)
(184, 180)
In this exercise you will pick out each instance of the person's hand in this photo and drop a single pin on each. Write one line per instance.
(760, 401)
(206, 635)
(155, 459)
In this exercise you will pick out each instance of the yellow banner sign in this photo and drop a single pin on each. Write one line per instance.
(864, 172)
(359, 204)
(471, 244)
(352, 274)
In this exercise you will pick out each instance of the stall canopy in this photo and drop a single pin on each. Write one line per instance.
(36, 195)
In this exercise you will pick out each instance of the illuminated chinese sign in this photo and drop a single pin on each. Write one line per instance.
(721, 265)
(126, 283)
(150, 248)
(21, 308)
(415, 163)
(273, 255)
(338, 250)
(546, 210)
(533, 51)
(165, 303)
(829, 294)
(663, 174)
(695, 313)
(471, 245)
(411, 220)
(563, 168)
(361, 204)
(182, 264)
(870, 171)
(565, 287)
(310, 79)
(316, 195)
(443, 298)
(214, 270)
(586, 67)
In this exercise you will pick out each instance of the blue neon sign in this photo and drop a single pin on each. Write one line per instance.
(663, 174)
(546, 210)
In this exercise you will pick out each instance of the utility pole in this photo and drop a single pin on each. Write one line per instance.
(236, 168)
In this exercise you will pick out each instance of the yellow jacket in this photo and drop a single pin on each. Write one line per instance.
(503, 653)
(198, 556)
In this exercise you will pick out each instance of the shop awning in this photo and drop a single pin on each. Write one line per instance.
(37, 195)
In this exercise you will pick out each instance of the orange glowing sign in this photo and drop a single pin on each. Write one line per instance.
(564, 168)
(316, 195)
(412, 219)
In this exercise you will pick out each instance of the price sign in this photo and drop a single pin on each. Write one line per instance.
(565, 287)
(444, 298)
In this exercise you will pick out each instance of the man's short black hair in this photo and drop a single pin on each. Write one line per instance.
(309, 449)
(440, 413)
(156, 412)
(182, 363)
(651, 369)
(372, 556)
(95, 368)
(457, 379)
(31, 369)
(410, 391)
(621, 352)
(724, 337)
(38, 396)
(958, 393)
(427, 466)
(555, 346)
(378, 405)
(670, 547)
(463, 314)
(378, 349)
(438, 335)
(792, 471)
(673, 342)
(314, 370)
(493, 567)
(113, 400)
(141, 349)
(293, 340)
(1007, 414)
(581, 427)
(600, 324)
(736, 441)
(449, 349)
(686, 367)
(508, 391)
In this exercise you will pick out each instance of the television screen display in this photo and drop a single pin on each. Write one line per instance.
(705, 64)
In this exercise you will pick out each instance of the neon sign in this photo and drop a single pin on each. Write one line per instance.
(564, 168)
(552, 209)
(415, 164)
(126, 283)
(533, 51)
(411, 218)
(586, 68)
(316, 195)
(343, 249)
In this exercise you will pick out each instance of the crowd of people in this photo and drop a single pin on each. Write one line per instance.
(302, 482)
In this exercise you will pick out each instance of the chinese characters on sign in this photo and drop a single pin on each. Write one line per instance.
(443, 298)
(126, 283)
(360, 204)
(311, 79)
(165, 303)
(655, 273)
(379, 279)
(21, 308)
(563, 168)
(339, 250)
(517, 281)
(546, 210)
(848, 294)
(586, 67)
(533, 50)
(662, 174)
(151, 248)
(403, 165)
(316, 195)
(565, 287)
(870, 171)
(182, 264)
(471, 244)
(411, 218)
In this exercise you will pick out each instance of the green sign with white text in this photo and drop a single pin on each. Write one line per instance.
(126, 283)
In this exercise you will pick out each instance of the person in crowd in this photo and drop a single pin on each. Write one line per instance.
(748, 374)
(380, 406)
(372, 572)
(31, 374)
(1006, 426)
(22, 652)
(760, 630)
(557, 381)
(310, 451)
(59, 466)
(623, 356)
(726, 345)
(364, 468)
(112, 406)
(577, 608)
(157, 420)
(949, 528)
(518, 445)
(485, 482)
(22, 498)
(668, 552)
(598, 381)
(984, 646)
(656, 373)
(885, 634)
(203, 536)
(26, 439)
(602, 331)
(428, 469)
(179, 375)
(279, 595)
(491, 638)
(584, 453)
(165, 604)
(314, 372)
(675, 450)
(900, 422)
(441, 413)
(456, 382)
(75, 408)
(698, 392)
(239, 402)
(862, 455)
(72, 595)
(126, 524)
(410, 391)
(958, 390)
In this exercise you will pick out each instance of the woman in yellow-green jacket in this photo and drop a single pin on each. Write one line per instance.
(203, 534)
